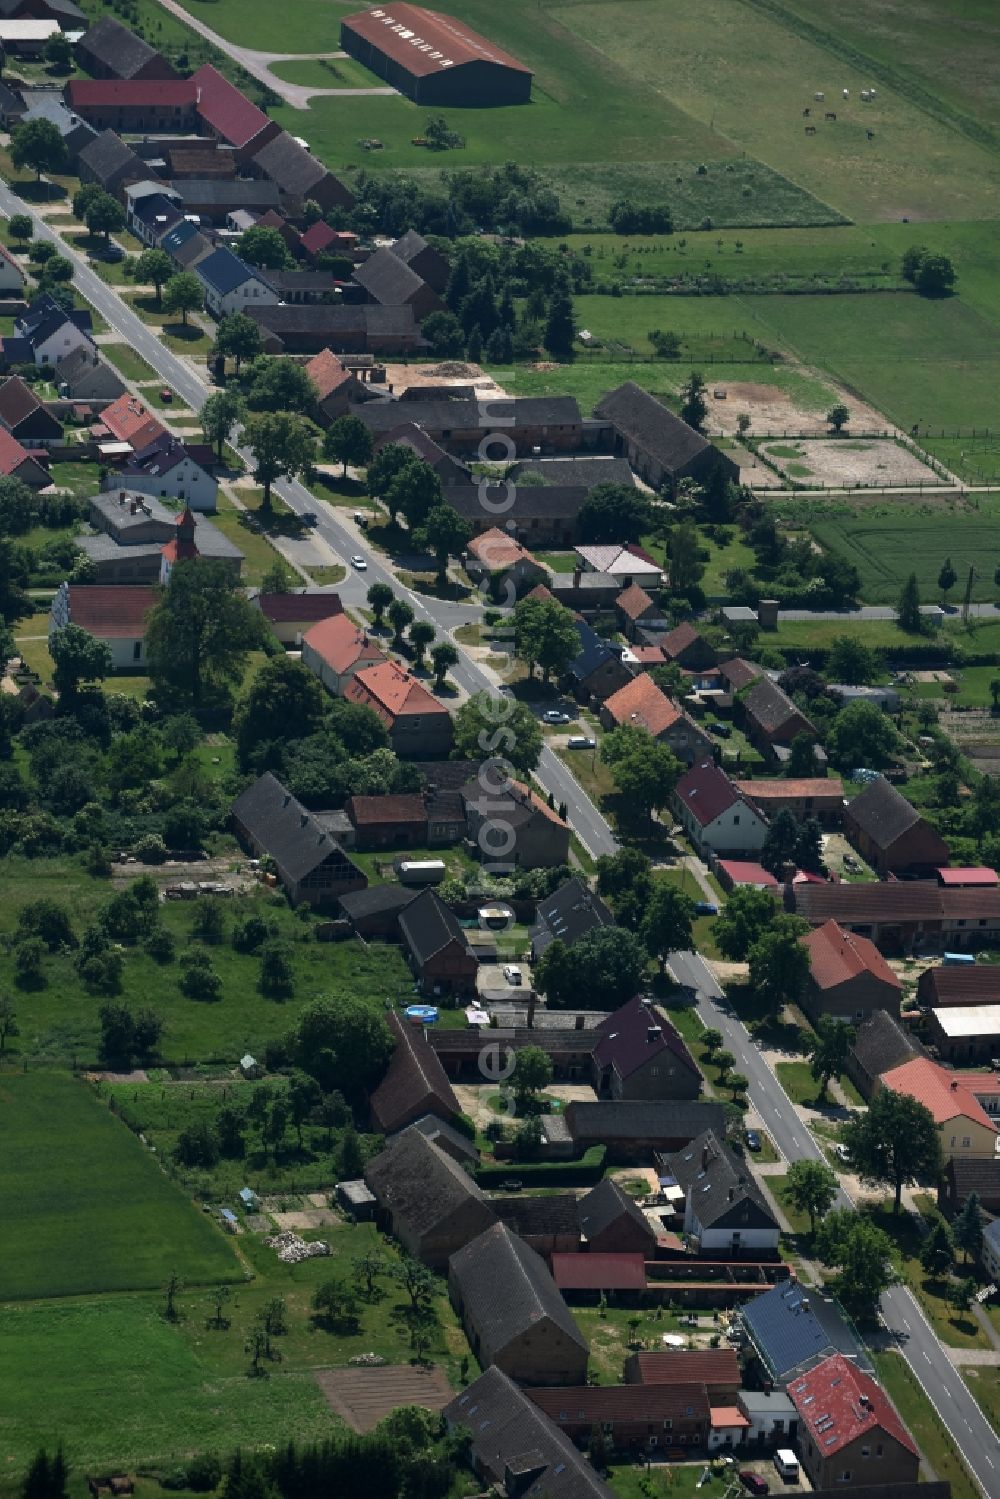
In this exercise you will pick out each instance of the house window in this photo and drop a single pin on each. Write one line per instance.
(137, 651)
(879, 1450)
(736, 821)
(866, 1452)
(966, 1141)
(845, 1477)
(668, 1426)
(654, 1071)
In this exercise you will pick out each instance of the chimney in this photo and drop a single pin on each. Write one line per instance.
(954, 1086)
(577, 575)
(704, 1157)
(532, 1001)
(866, 1402)
(730, 1194)
(767, 614)
(579, 1022)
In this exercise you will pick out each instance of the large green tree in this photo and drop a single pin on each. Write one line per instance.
(283, 447)
(894, 1142)
(614, 513)
(830, 1049)
(262, 246)
(222, 411)
(861, 1252)
(77, 657)
(779, 964)
(38, 145)
(200, 633)
(239, 338)
(861, 735)
(348, 440)
(487, 725)
(344, 1043)
(414, 491)
(667, 923)
(545, 635)
(445, 533)
(279, 385)
(747, 914)
(811, 1187)
(183, 293)
(600, 971)
(643, 770)
(284, 702)
(154, 268)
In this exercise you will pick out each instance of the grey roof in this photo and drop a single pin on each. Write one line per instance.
(937, 1490)
(414, 437)
(290, 165)
(409, 245)
(159, 457)
(198, 192)
(881, 1044)
(415, 1079)
(108, 156)
(359, 903)
(651, 426)
(89, 377)
(883, 813)
(63, 10)
(224, 272)
(388, 279)
(664, 1120)
(361, 317)
(769, 705)
(511, 1435)
(594, 649)
(568, 913)
(584, 473)
(975, 1174)
(11, 102)
(428, 925)
(506, 1290)
(793, 1328)
(438, 1130)
(45, 317)
(291, 835)
(116, 48)
(604, 1205)
(158, 210)
(721, 1187)
(421, 1185)
(50, 106)
(528, 502)
(526, 1215)
(430, 416)
(286, 283)
(759, 1403)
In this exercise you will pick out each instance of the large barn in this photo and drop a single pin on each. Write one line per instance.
(434, 59)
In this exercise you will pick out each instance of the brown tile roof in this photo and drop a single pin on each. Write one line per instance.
(424, 41)
(633, 601)
(770, 707)
(327, 373)
(836, 957)
(707, 792)
(415, 1080)
(784, 790)
(340, 643)
(374, 811)
(894, 900)
(956, 984)
(595, 1404)
(12, 454)
(282, 608)
(118, 611)
(498, 551)
(706, 1366)
(17, 400)
(679, 638)
(641, 705)
(884, 814)
(739, 673)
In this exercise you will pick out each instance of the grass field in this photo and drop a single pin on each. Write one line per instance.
(926, 1425)
(128, 362)
(886, 544)
(327, 72)
(87, 1208)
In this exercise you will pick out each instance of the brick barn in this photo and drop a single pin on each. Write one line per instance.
(434, 59)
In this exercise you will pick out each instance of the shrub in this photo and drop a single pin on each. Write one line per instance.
(151, 849)
(160, 945)
(199, 979)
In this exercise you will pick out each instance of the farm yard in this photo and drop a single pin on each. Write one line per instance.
(843, 462)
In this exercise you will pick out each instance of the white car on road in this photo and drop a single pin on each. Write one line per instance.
(360, 564)
(513, 975)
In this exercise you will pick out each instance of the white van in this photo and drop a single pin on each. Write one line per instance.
(787, 1465)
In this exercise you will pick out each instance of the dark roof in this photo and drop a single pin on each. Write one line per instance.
(506, 1290)
(594, 649)
(116, 48)
(196, 192)
(377, 898)
(291, 835)
(428, 925)
(430, 416)
(793, 1327)
(108, 155)
(708, 1366)
(388, 279)
(45, 317)
(739, 673)
(158, 211)
(653, 428)
(287, 283)
(511, 1435)
(414, 437)
(287, 317)
(422, 1185)
(75, 132)
(592, 1405)
(448, 775)
(583, 473)
(770, 706)
(290, 165)
(606, 1204)
(11, 101)
(527, 501)
(568, 913)
(451, 1040)
(894, 900)
(720, 1185)
(64, 8)
(707, 792)
(437, 1130)
(881, 1043)
(224, 271)
(975, 1174)
(414, 1079)
(299, 604)
(17, 401)
(88, 375)
(961, 984)
(225, 109)
(395, 809)
(666, 1120)
(883, 813)
(530, 1216)
(627, 1040)
(938, 1490)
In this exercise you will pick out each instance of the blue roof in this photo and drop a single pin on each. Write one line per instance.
(792, 1327)
(223, 271)
(247, 1196)
(991, 1233)
(593, 652)
(178, 235)
(229, 1216)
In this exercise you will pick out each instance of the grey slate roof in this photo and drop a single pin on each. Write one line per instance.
(224, 272)
(388, 279)
(793, 1327)
(883, 813)
(428, 925)
(359, 903)
(108, 156)
(197, 192)
(421, 1185)
(604, 1205)
(415, 1078)
(720, 1185)
(769, 705)
(116, 48)
(90, 378)
(653, 428)
(348, 319)
(527, 1215)
(511, 1435)
(529, 502)
(431, 416)
(881, 1044)
(438, 1131)
(567, 914)
(291, 835)
(667, 1119)
(506, 1290)
(290, 165)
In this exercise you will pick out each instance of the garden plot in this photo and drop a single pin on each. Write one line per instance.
(841, 463)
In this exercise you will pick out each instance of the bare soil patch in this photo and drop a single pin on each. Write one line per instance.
(310, 1218)
(450, 372)
(837, 463)
(361, 1397)
(773, 411)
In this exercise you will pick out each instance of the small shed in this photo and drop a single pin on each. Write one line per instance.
(355, 1198)
(249, 1199)
(229, 1220)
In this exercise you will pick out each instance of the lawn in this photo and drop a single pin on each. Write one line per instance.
(327, 72)
(81, 479)
(307, 26)
(59, 1022)
(257, 549)
(886, 543)
(128, 362)
(931, 1434)
(798, 1082)
(611, 1339)
(88, 1209)
(955, 1329)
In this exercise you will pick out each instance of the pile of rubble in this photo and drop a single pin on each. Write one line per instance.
(293, 1250)
(367, 1361)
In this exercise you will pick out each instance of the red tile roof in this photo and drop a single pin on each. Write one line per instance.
(540, 592)
(707, 1366)
(528, 794)
(288, 608)
(648, 655)
(327, 373)
(317, 237)
(836, 957)
(497, 551)
(680, 638)
(641, 705)
(128, 420)
(83, 93)
(707, 792)
(425, 41)
(633, 601)
(338, 641)
(12, 454)
(373, 811)
(600, 1272)
(111, 612)
(974, 876)
(727, 1415)
(747, 872)
(393, 689)
(225, 109)
(784, 790)
(839, 1403)
(941, 1091)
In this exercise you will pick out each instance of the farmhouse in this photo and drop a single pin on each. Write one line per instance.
(415, 1084)
(597, 671)
(964, 1127)
(426, 1199)
(365, 328)
(901, 915)
(658, 445)
(637, 611)
(964, 1175)
(714, 814)
(311, 865)
(25, 417)
(291, 615)
(532, 513)
(529, 834)
(641, 705)
(429, 264)
(171, 469)
(85, 376)
(772, 720)
(725, 1212)
(109, 162)
(640, 1055)
(334, 649)
(633, 1131)
(848, 1428)
(229, 115)
(115, 615)
(300, 176)
(17, 463)
(438, 949)
(513, 1315)
(959, 984)
(448, 469)
(890, 834)
(111, 50)
(144, 105)
(611, 1223)
(229, 283)
(718, 1369)
(381, 822)
(51, 333)
(434, 59)
(388, 280)
(567, 915)
(848, 977)
(418, 724)
(498, 558)
(880, 1045)
(335, 386)
(687, 648)
(808, 797)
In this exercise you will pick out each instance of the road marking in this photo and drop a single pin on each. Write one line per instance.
(907, 1325)
(926, 1354)
(987, 1456)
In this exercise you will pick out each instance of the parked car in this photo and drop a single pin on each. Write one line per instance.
(513, 974)
(308, 517)
(752, 1138)
(580, 741)
(705, 908)
(843, 1154)
(360, 564)
(722, 729)
(752, 1482)
(553, 715)
(166, 395)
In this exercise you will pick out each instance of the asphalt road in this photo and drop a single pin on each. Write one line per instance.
(972, 1433)
(901, 1312)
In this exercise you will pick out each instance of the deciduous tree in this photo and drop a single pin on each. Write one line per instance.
(154, 268)
(200, 633)
(283, 447)
(694, 407)
(779, 964)
(239, 338)
(830, 1049)
(38, 145)
(894, 1142)
(811, 1188)
(222, 411)
(348, 440)
(747, 914)
(183, 293)
(861, 1253)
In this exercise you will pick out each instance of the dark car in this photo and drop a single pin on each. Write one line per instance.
(112, 253)
(753, 1139)
(722, 729)
(705, 908)
(753, 1483)
(308, 517)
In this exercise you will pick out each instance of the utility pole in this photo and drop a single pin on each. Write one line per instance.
(967, 600)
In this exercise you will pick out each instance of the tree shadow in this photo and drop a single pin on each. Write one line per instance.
(40, 192)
